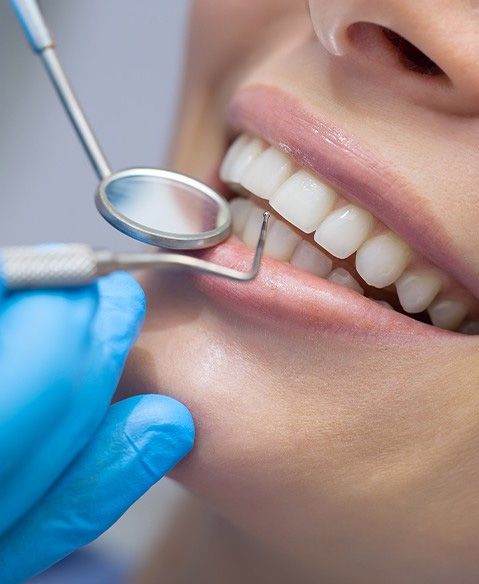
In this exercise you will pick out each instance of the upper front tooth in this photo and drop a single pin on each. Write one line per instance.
(267, 173)
(231, 156)
(303, 201)
(240, 156)
(344, 231)
(240, 210)
(382, 259)
(281, 241)
(417, 289)
(447, 314)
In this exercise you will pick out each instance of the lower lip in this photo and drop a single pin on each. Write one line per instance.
(287, 297)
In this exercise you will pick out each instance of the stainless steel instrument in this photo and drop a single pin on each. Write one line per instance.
(159, 207)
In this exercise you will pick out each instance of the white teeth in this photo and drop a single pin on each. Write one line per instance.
(240, 156)
(308, 204)
(447, 314)
(382, 260)
(470, 328)
(417, 289)
(281, 241)
(344, 231)
(226, 170)
(253, 226)
(310, 259)
(303, 201)
(267, 173)
(240, 210)
(344, 278)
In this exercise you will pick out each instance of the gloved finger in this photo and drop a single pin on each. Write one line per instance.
(113, 330)
(141, 439)
(43, 336)
(2, 282)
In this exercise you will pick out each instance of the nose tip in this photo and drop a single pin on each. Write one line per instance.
(331, 21)
(436, 39)
(328, 26)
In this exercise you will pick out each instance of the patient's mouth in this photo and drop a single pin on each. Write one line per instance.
(317, 230)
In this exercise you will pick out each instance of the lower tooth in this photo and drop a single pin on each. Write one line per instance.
(253, 226)
(310, 259)
(344, 278)
(385, 304)
(447, 314)
(281, 241)
(240, 210)
(470, 328)
(380, 261)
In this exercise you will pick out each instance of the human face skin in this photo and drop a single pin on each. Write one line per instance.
(342, 437)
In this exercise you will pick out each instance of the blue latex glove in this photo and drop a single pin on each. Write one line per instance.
(70, 463)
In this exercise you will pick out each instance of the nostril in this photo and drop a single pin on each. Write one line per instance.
(410, 56)
(384, 45)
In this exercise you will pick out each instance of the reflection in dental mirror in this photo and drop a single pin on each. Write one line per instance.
(165, 205)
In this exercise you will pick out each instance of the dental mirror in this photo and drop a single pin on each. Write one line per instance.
(164, 208)
(158, 207)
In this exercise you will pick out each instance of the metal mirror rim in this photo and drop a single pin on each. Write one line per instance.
(163, 239)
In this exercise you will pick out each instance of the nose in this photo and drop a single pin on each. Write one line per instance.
(432, 39)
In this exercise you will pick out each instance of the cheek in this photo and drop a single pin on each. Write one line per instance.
(225, 34)
(273, 408)
(299, 433)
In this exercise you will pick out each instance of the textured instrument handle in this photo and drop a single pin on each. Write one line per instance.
(48, 267)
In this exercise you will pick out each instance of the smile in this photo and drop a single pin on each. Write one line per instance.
(317, 229)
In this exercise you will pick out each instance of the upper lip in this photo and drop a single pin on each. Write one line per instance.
(351, 168)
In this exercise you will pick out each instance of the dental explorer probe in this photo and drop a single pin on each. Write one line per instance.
(32, 267)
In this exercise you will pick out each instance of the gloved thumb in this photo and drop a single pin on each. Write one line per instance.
(141, 439)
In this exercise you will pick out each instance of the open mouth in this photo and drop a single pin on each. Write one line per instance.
(317, 229)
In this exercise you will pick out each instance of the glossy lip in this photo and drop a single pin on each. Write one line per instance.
(286, 297)
(351, 168)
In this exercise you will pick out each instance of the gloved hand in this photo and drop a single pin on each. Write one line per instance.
(70, 463)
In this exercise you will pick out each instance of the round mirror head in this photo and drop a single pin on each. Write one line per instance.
(164, 208)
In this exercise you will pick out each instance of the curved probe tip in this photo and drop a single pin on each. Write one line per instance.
(258, 256)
